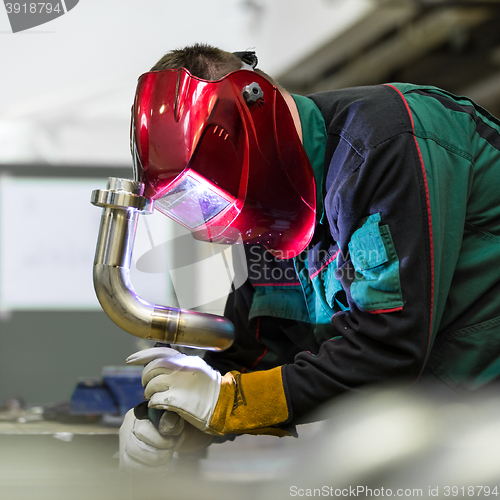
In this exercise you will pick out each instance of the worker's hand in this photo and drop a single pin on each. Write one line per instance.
(253, 403)
(188, 439)
(142, 448)
(180, 383)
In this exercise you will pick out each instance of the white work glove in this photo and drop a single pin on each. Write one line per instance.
(142, 448)
(176, 382)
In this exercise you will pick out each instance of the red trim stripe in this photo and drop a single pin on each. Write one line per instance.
(257, 334)
(277, 284)
(338, 312)
(381, 311)
(428, 216)
(329, 261)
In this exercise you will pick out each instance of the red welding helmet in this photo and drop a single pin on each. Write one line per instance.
(223, 158)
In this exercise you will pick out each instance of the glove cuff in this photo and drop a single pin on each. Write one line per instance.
(250, 403)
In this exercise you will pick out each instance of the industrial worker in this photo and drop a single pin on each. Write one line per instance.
(371, 223)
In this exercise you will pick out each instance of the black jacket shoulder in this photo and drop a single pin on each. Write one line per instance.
(364, 116)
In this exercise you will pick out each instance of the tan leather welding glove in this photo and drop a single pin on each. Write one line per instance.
(251, 403)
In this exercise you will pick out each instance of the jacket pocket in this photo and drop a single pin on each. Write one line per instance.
(468, 358)
(376, 286)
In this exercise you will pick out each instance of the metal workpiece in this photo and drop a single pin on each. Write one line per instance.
(214, 332)
(124, 194)
(114, 289)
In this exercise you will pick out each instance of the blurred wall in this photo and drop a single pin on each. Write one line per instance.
(65, 97)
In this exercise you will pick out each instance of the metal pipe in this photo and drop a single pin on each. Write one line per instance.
(122, 203)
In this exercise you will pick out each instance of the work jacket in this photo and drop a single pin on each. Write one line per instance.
(401, 281)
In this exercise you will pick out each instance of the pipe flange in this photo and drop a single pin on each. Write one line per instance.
(121, 199)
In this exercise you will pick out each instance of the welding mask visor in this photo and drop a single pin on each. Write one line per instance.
(223, 158)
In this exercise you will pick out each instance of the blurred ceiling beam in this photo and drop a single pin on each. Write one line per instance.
(408, 44)
(486, 92)
(383, 18)
(456, 3)
(435, 42)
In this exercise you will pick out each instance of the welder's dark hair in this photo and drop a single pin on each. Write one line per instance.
(205, 61)
(201, 60)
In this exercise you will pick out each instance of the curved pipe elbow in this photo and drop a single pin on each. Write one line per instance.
(154, 322)
(117, 297)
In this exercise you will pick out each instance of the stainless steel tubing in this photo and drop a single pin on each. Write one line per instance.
(122, 204)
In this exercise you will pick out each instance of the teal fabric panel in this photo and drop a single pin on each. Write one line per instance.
(376, 284)
(279, 302)
(314, 142)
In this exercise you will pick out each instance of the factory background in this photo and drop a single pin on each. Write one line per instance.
(66, 91)
(67, 88)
